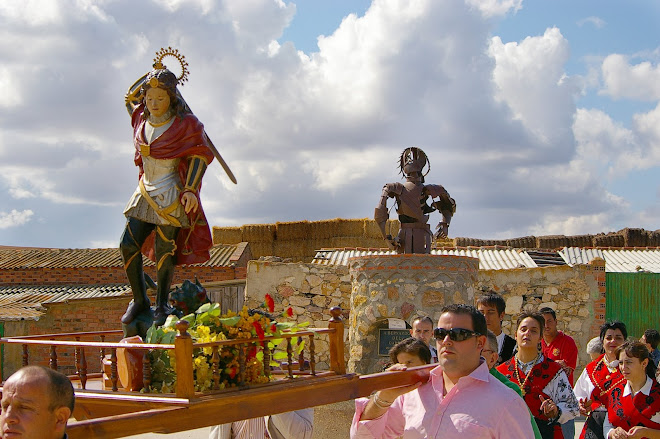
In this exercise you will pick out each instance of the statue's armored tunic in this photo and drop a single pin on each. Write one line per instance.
(161, 183)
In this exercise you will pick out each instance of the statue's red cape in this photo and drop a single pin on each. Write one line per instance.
(185, 138)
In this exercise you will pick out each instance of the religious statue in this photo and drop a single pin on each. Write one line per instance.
(412, 205)
(165, 219)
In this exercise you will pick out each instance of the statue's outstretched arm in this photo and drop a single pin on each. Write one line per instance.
(381, 215)
(133, 96)
(445, 205)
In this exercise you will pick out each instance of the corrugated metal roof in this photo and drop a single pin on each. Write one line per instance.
(489, 258)
(25, 302)
(35, 258)
(622, 260)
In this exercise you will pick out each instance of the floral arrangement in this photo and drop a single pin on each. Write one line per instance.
(207, 325)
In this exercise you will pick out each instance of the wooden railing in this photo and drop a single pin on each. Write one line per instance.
(183, 352)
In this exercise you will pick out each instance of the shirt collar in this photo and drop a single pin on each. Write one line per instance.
(646, 388)
(481, 373)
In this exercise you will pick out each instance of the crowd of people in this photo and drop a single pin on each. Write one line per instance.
(491, 385)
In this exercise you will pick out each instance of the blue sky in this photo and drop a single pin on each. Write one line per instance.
(539, 117)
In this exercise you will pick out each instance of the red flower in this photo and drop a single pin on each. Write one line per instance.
(259, 329)
(289, 312)
(273, 327)
(270, 303)
(232, 373)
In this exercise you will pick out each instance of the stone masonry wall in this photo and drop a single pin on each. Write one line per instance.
(576, 293)
(309, 289)
(401, 286)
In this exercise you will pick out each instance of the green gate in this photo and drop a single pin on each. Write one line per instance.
(633, 298)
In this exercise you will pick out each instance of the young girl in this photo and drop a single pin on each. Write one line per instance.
(598, 378)
(410, 352)
(634, 406)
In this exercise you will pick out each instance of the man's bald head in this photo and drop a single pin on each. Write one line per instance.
(58, 385)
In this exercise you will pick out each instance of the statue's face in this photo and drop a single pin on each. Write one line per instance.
(157, 101)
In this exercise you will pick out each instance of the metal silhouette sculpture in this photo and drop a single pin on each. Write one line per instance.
(165, 219)
(414, 202)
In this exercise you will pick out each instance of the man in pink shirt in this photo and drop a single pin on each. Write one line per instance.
(460, 400)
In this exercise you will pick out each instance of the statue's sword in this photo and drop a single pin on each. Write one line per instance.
(133, 98)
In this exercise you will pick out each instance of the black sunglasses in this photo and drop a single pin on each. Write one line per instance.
(455, 334)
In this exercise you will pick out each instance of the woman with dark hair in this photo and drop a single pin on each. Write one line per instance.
(410, 352)
(634, 406)
(543, 383)
(598, 377)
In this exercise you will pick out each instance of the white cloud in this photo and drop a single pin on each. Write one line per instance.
(493, 8)
(14, 218)
(597, 22)
(530, 79)
(562, 224)
(625, 81)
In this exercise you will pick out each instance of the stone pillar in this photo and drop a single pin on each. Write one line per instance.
(401, 286)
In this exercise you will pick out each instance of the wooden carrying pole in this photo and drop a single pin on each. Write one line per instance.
(260, 401)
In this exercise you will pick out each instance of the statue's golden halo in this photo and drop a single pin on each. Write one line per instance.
(162, 53)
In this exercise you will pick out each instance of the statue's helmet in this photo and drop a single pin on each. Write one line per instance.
(412, 162)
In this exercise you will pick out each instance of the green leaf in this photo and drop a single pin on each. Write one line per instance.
(275, 364)
(279, 356)
(168, 338)
(190, 318)
(154, 334)
(204, 308)
(171, 321)
(203, 318)
(300, 347)
(260, 356)
(230, 321)
(303, 324)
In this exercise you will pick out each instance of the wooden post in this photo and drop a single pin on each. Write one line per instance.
(312, 355)
(102, 352)
(266, 360)
(336, 341)
(215, 362)
(146, 371)
(53, 358)
(289, 358)
(183, 353)
(25, 355)
(83, 369)
(114, 377)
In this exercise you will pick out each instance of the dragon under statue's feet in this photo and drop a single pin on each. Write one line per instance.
(161, 313)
